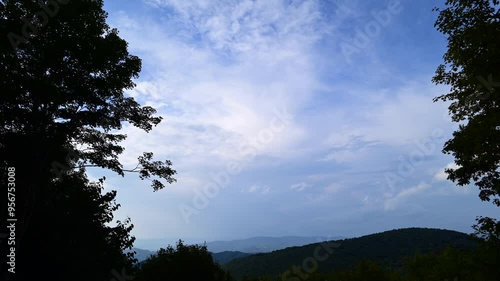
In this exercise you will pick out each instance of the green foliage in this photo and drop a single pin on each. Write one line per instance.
(478, 264)
(72, 237)
(471, 70)
(227, 256)
(66, 83)
(63, 74)
(184, 263)
(489, 230)
(366, 270)
(451, 264)
(387, 249)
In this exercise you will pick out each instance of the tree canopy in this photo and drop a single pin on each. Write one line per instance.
(73, 236)
(471, 69)
(64, 85)
(64, 74)
(184, 263)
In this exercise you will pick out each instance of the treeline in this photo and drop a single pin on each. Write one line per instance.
(194, 262)
(479, 264)
(387, 249)
(184, 262)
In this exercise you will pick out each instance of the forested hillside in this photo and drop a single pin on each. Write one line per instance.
(386, 248)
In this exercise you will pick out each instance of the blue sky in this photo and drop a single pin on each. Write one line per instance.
(289, 118)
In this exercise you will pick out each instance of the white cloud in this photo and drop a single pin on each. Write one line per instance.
(300, 186)
(255, 27)
(441, 175)
(394, 202)
(262, 189)
(231, 100)
(218, 70)
(333, 188)
(212, 105)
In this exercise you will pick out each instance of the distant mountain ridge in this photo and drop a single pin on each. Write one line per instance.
(220, 258)
(264, 244)
(227, 256)
(225, 251)
(141, 254)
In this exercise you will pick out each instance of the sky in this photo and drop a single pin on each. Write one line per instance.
(304, 118)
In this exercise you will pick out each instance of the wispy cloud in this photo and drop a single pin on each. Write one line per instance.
(255, 27)
(221, 72)
(394, 202)
(262, 189)
(333, 188)
(300, 186)
(441, 175)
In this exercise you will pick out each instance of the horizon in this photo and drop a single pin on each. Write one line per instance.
(155, 244)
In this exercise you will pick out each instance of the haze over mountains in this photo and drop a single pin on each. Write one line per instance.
(258, 256)
(227, 250)
(264, 244)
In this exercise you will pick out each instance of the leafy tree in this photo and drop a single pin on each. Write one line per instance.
(365, 270)
(184, 263)
(454, 264)
(471, 70)
(73, 237)
(63, 73)
(386, 249)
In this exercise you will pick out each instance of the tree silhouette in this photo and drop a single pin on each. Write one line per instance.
(73, 237)
(471, 70)
(184, 263)
(63, 73)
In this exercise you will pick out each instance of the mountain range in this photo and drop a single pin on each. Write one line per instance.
(225, 251)
(264, 244)
(258, 256)
(387, 248)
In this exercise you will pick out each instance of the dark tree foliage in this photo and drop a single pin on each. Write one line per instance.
(63, 73)
(471, 69)
(73, 236)
(64, 83)
(478, 264)
(184, 263)
(450, 264)
(386, 249)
